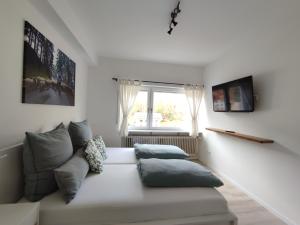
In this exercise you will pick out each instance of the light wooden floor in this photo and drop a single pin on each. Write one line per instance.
(248, 211)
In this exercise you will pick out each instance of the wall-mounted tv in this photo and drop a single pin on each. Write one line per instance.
(234, 96)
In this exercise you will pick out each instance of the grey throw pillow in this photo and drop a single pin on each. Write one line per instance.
(41, 155)
(147, 151)
(175, 173)
(71, 174)
(94, 157)
(80, 133)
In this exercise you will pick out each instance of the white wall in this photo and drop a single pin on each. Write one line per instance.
(102, 90)
(15, 117)
(269, 172)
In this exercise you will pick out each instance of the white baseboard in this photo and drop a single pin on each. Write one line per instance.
(256, 198)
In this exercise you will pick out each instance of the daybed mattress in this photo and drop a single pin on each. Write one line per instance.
(120, 156)
(118, 196)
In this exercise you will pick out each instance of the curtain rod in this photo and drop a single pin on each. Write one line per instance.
(156, 82)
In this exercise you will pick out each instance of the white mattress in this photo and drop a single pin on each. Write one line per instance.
(120, 156)
(118, 196)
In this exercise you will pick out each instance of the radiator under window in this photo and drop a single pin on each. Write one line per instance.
(189, 144)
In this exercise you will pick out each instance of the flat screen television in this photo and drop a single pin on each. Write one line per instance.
(234, 96)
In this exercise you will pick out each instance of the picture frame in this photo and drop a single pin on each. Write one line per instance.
(48, 73)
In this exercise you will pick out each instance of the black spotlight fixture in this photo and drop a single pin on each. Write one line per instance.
(170, 30)
(177, 9)
(174, 14)
(174, 22)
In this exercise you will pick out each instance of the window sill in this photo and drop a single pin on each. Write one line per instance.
(157, 133)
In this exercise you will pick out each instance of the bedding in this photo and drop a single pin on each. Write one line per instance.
(120, 156)
(100, 146)
(71, 174)
(94, 156)
(175, 173)
(147, 151)
(42, 153)
(117, 196)
(80, 133)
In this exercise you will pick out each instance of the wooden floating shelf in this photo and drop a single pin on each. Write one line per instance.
(242, 136)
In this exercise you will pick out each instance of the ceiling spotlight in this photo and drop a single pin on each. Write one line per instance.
(177, 9)
(174, 22)
(173, 15)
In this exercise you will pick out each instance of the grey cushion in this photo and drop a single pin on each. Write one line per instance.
(94, 157)
(146, 151)
(175, 173)
(80, 133)
(71, 174)
(42, 154)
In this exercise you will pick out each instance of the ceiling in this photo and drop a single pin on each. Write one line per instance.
(137, 29)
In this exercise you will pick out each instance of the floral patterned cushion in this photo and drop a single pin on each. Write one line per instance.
(94, 157)
(100, 145)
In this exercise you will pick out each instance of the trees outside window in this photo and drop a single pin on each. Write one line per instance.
(160, 109)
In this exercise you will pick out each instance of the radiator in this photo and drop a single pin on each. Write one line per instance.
(189, 144)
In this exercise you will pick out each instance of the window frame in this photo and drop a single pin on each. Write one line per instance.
(151, 89)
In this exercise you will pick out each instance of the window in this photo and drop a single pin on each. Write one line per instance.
(160, 108)
(138, 116)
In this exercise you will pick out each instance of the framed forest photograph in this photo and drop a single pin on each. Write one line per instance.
(48, 73)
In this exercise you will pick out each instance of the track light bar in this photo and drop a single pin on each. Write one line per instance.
(174, 14)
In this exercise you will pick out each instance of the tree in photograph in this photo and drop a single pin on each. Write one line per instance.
(40, 52)
(65, 69)
(60, 66)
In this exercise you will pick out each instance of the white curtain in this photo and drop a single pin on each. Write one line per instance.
(128, 91)
(193, 95)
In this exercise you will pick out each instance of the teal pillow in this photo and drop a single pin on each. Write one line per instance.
(41, 155)
(80, 133)
(71, 174)
(146, 151)
(175, 173)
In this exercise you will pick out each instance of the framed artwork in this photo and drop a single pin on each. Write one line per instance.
(48, 73)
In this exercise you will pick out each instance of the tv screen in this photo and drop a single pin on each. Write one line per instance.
(234, 96)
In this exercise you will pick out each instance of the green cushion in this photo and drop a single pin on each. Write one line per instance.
(71, 174)
(146, 151)
(175, 173)
(80, 133)
(41, 155)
